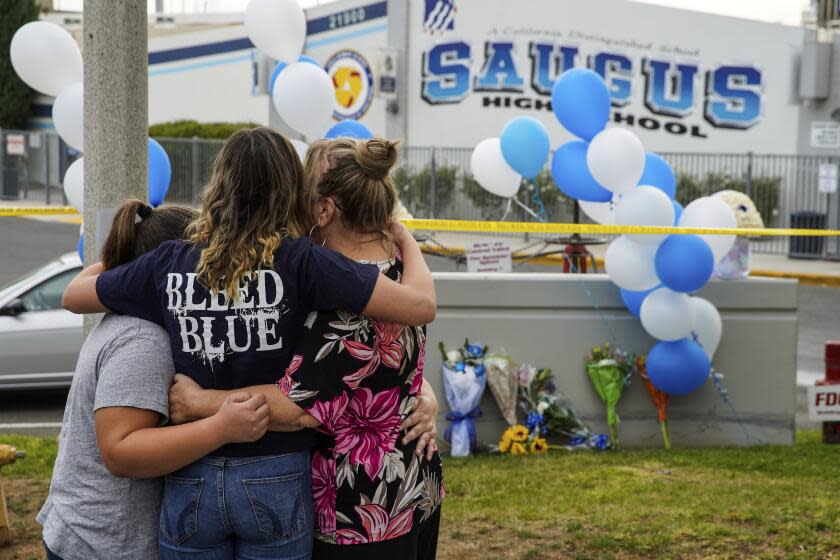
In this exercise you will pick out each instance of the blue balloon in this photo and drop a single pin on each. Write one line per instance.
(277, 70)
(684, 263)
(678, 367)
(160, 173)
(281, 65)
(678, 210)
(349, 128)
(633, 300)
(659, 174)
(525, 145)
(80, 247)
(571, 173)
(581, 101)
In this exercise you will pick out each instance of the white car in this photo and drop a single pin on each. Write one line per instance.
(39, 340)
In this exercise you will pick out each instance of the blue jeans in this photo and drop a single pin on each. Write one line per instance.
(247, 508)
(50, 554)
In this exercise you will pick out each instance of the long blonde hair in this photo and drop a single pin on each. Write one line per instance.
(356, 175)
(252, 201)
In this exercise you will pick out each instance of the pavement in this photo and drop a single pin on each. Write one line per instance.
(31, 242)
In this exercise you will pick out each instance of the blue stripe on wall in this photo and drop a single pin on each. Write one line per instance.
(313, 27)
(39, 110)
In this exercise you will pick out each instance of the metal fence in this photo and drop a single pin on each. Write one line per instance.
(436, 183)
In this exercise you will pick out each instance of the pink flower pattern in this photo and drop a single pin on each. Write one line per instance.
(285, 383)
(324, 491)
(386, 351)
(378, 525)
(369, 428)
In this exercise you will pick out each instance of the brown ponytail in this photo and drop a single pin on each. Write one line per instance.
(357, 178)
(138, 228)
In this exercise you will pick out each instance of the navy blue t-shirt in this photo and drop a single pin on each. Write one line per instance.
(231, 345)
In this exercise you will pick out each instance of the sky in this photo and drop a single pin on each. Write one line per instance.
(780, 11)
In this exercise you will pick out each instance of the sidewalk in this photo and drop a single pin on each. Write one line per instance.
(808, 272)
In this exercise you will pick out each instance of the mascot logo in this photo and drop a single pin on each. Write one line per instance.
(439, 16)
(353, 81)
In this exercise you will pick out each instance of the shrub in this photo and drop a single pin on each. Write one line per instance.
(765, 190)
(195, 129)
(15, 96)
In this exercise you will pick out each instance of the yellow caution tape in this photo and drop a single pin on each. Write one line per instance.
(6, 211)
(475, 226)
(548, 228)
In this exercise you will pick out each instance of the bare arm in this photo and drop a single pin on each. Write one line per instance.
(80, 294)
(411, 302)
(188, 401)
(131, 445)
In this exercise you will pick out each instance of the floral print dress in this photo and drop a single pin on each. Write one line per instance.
(359, 377)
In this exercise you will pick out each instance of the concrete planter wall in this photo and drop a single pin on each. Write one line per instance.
(551, 320)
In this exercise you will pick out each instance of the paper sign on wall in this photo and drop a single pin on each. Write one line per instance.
(825, 134)
(824, 403)
(828, 178)
(16, 144)
(490, 255)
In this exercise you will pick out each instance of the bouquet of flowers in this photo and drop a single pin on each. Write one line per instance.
(519, 440)
(609, 370)
(659, 399)
(464, 381)
(547, 412)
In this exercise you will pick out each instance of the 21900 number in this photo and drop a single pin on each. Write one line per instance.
(349, 17)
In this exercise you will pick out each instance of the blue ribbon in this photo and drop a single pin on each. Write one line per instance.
(456, 418)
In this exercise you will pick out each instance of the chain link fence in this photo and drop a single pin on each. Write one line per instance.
(436, 183)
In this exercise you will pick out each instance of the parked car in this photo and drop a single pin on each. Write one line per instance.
(39, 340)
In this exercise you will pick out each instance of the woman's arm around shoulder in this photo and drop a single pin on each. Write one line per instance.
(80, 294)
(413, 301)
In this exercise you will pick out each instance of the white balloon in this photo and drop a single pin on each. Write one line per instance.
(616, 159)
(301, 148)
(707, 326)
(645, 206)
(631, 265)
(711, 211)
(601, 212)
(276, 27)
(304, 97)
(46, 57)
(492, 172)
(69, 115)
(667, 315)
(74, 185)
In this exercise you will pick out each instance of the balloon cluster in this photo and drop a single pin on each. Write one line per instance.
(616, 182)
(47, 59)
(301, 90)
(499, 164)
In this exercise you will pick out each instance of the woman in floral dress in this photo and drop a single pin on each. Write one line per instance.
(359, 377)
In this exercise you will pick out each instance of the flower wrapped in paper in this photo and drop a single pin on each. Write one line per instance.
(609, 371)
(464, 381)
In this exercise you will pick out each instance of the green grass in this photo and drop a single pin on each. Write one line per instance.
(761, 502)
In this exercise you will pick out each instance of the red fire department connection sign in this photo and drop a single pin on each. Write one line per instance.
(824, 403)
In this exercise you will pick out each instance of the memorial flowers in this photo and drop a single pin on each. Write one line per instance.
(609, 371)
(464, 381)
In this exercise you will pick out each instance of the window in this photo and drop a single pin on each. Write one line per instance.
(46, 296)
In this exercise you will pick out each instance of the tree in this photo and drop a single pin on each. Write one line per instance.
(15, 96)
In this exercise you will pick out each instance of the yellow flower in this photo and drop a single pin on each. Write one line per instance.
(504, 445)
(517, 448)
(539, 445)
(520, 433)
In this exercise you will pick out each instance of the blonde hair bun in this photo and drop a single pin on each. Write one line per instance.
(376, 157)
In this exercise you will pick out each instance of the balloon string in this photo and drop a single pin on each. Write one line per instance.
(724, 396)
(507, 209)
(528, 210)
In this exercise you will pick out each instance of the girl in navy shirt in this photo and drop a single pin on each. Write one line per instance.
(234, 299)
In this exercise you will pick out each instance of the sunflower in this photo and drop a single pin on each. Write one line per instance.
(539, 445)
(517, 448)
(519, 433)
(504, 445)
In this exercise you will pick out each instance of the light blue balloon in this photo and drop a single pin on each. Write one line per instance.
(349, 128)
(678, 210)
(160, 173)
(525, 145)
(659, 174)
(684, 263)
(571, 173)
(581, 101)
(633, 300)
(80, 247)
(678, 367)
(281, 65)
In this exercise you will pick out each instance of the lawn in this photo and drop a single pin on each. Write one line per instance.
(762, 502)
